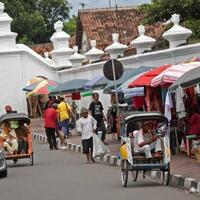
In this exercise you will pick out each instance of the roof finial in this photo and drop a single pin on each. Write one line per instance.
(58, 26)
(175, 19)
(93, 43)
(1, 7)
(141, 30)
(115, 37)
(75, 49)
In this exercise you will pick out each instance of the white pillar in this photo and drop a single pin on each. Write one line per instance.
(94, 54)
(115, 49)
(177, 34)
(143, 42)
(7, 38)
(61, 52)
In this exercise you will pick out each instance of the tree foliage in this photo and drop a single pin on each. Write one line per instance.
(70, 26)
(34, 20)
(161, 10)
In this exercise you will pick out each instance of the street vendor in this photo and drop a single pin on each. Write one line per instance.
(145, 141)
(10, 138)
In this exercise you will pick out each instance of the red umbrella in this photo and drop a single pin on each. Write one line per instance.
(145, 79)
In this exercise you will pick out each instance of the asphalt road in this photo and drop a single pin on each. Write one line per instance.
(59, 175)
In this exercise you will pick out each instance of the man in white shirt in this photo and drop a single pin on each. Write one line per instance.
(145, 140)
(87, 125)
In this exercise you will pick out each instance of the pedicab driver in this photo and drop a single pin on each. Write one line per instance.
(145, 141)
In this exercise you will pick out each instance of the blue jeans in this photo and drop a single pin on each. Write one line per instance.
(65, 126)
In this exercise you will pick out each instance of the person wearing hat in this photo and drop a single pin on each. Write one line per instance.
(145, 141)
(50, 124)
(87, 125)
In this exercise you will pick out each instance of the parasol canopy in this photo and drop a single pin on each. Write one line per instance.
(189, 79)
(35, 79)
(145, 78)
(42, 87)
(98, 82)
(75, 85)
(171, 74)
(126, 75)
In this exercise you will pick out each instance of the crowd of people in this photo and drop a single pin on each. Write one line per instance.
(59, 116)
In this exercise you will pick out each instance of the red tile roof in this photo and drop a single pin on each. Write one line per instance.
(99, 24)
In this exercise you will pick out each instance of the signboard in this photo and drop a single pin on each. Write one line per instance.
(109, 72)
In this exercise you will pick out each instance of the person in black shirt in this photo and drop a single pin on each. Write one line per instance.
(96, 110)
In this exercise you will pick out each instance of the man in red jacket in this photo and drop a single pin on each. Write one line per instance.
(50, 120)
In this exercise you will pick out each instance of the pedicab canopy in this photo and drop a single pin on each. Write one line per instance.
(140, 116)
(15, 117)
(189, 79)
(75, 85)
(129, 73)
(171, 74)
(145, 79)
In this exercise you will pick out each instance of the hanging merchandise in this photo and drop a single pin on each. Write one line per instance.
(191, 96)
(138, 102)
(86, 93)
(168, 106)
(180, 106)
(76, 96)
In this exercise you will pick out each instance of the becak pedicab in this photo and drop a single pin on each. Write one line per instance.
(146, 146)
(16, 137)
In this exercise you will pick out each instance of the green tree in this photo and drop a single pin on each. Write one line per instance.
(34, 20)
(161, 11)
(70, 26)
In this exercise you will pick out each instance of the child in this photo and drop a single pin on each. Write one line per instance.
(87, 126)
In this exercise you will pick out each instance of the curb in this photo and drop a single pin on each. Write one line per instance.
(188, 184)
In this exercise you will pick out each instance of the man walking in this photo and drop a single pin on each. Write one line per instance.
(96, 110)
(50, 120)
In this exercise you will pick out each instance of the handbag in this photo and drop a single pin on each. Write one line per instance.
(70, 113)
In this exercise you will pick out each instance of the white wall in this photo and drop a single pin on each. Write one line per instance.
(17, 67)
(20, 64)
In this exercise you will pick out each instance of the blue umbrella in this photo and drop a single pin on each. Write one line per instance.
(98, 82)
(126, 75)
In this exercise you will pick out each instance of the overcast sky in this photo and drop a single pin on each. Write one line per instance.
(102, 3)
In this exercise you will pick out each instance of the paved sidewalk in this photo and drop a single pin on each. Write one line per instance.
(180, 165)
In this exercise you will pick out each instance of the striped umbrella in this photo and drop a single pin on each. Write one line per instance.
(44, 87)
(171, 74)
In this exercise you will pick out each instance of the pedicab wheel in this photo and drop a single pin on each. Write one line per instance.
(124, 172)
(166, 175)
(4, 173)
(135, 175)
(31, 159)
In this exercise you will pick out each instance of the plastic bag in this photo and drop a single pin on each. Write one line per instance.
(99, 148)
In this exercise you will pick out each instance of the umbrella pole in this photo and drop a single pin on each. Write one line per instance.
(116, 96)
